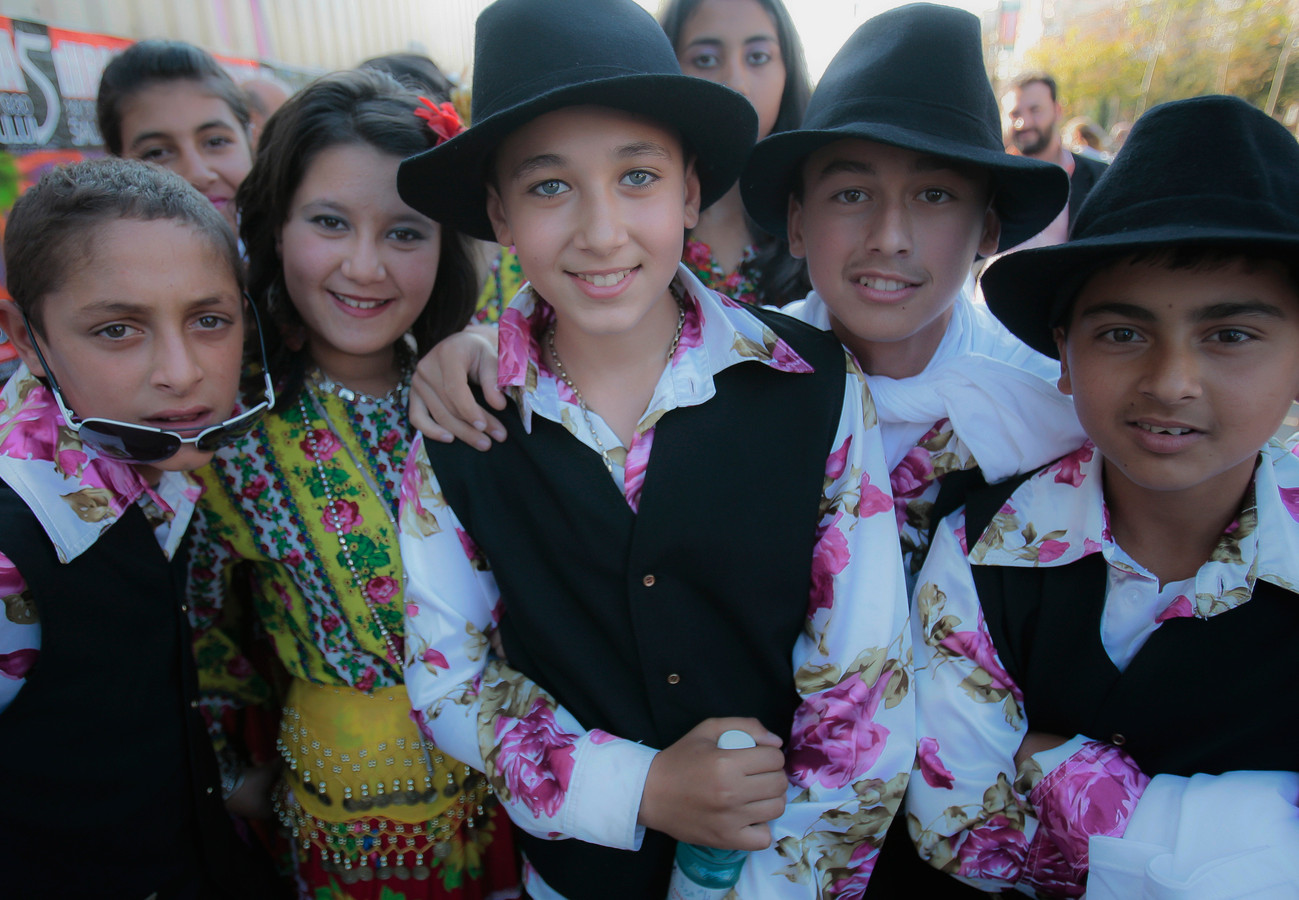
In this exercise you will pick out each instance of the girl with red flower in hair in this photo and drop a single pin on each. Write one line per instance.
(300, 515)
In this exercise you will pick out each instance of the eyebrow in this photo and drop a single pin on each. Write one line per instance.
(717, 42)
(1225, 310)
(533, 163)
(642, 148)
(118, 308)
(156, 135)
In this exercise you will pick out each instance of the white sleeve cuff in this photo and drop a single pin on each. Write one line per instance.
(605, 793)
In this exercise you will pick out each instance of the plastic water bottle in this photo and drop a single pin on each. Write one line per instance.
(706, 873)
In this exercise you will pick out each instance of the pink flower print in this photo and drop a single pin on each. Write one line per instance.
(936, 774)
(341, 516)
(11, 583)
(912, 475)
(366, 682)
(692, 332)
(960, 537)
(1290, 499)
(473, 552)
(536, 759)
(829, 557)
(412, 610)
(1180, 608)
(293, 558)
(995, 850)
(497, 610)
(382, 589)
(1094, 792)
(410, 485)
(255, 488)
(852, 886)
(785, 359)
(434, 659)
(697, 256)
(421, 722)
(873, 500)
(1090, 547)
(1050, 550)
(331, 623)
(320, 443)
(834, 739)
(600, 737)
(838, 460)
(17, 664)
(122, 482)
(389, 441)
(515, 341)
(239, 667)
(940, 426)
(977, 646)
(1068, 469)
(636, 464)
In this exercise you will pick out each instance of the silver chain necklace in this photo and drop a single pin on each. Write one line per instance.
(586, 411)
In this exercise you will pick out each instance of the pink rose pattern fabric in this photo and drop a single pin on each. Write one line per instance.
(915, 482)
(850, 750)
(974, 813)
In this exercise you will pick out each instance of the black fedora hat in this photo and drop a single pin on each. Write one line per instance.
(914, 78)
(1211, 170)
(535, 56)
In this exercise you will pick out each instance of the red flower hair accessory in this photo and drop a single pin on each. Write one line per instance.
(443, 119)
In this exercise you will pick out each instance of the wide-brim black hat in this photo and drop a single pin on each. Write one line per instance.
(1212, 170)
(914, 78)
(535, 56)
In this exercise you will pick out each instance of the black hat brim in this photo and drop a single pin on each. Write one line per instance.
(717, 126)
(1028, 193)
(1030, 290)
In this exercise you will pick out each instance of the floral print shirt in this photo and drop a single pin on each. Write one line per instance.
(76, 495)
(985, 399)
(969, 808)
(849, 754)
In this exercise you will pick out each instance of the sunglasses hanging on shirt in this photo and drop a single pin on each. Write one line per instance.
(144, 444)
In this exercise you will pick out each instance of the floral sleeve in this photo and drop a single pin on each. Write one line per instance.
(555, 778)
(228, 682)
(851, 745)
(970, 811)
(20, 632)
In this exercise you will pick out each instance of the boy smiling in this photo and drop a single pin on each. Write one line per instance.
(1096, 675)
(652, 584)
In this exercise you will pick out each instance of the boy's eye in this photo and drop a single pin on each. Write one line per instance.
(935, 195)
(153, 154)
(639, 178)
(405, 235)
(212, 322)
(1232, 336)
(552, 188)
(851, 195)
(218, 141)
(1120, 335)
(115, 332)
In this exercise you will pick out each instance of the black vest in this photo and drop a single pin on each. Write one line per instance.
(119, 793)
(1201, 695)
(644, 624)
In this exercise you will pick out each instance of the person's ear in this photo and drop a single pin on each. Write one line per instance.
(1061, 340)
(13, 325)
(496, 215)
(794, 225)
(692, 195)
(991, 236)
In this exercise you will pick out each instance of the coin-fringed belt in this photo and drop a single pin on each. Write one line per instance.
(364, 788)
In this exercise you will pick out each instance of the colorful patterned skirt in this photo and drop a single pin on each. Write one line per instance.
(374, 810)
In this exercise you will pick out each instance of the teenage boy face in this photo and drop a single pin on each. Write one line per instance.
(889, 236)
(596, 202)
(1179, 376)
(147, 329)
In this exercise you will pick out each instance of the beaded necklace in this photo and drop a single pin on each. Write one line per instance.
(373, 474)
(581, 403)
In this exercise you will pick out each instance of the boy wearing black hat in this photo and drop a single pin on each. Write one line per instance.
(893, 186)
(1099, 644)
(634, 617)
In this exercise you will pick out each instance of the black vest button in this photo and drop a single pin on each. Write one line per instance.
(1118, 740)
(648, 581)
(674, 678)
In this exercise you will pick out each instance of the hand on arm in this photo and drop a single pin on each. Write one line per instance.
(441, 403)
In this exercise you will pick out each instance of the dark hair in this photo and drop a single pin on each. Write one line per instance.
(419, 73)
(1024, 81)
(51, 227)
(154, 62)
(354, 107)
(1194, 257)
(782, 277)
